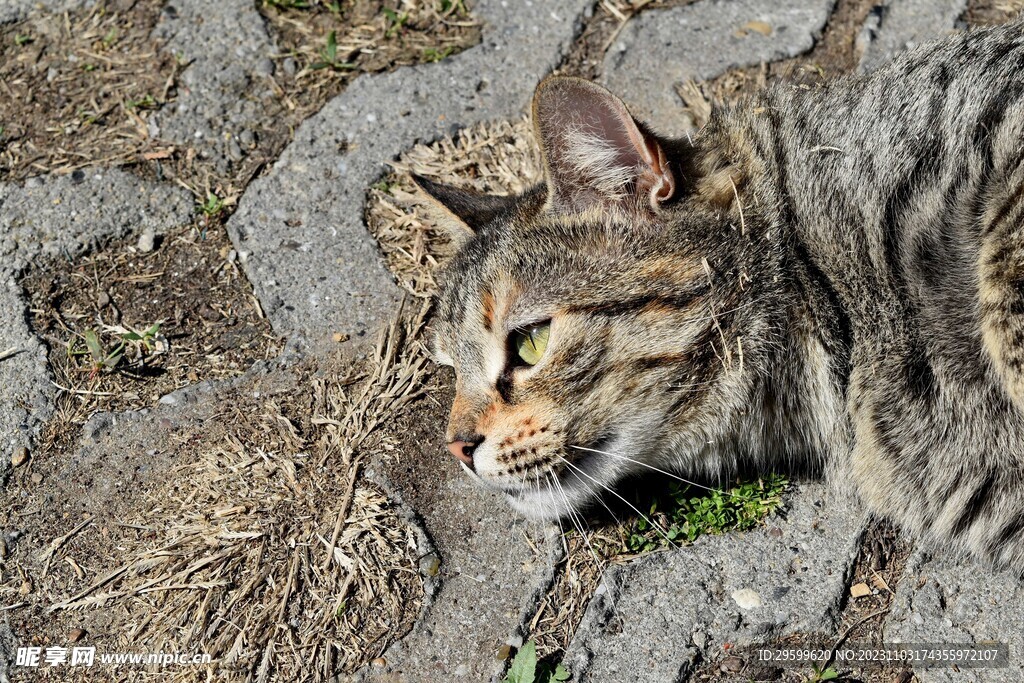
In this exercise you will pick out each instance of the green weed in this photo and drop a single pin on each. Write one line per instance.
(329, 56)
(687, 513)
(526, 669)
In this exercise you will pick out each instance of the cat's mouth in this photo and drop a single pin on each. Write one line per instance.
(568, 482)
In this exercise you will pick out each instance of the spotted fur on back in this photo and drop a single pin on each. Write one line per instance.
(830, 278)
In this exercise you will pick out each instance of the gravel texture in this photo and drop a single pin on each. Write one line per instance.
(954, 601)
(220, 94)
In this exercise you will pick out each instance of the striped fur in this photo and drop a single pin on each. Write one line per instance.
(837, 283)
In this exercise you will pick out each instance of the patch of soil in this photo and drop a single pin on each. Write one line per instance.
(191, 285)
(76, 89)
(992, 12)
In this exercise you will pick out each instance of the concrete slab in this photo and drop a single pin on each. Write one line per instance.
(311, 261)
(954, 601)
(662, 49)
(654, 618)
(492, 568)
(228, 50)
(16, 10)
(897, 25)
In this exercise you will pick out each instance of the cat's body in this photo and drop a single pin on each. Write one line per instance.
(831, 277)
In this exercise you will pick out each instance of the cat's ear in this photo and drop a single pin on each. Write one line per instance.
(468, 211)
(595, 151)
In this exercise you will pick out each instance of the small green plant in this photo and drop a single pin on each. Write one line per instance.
(526, 669)
(687, 513)
(145, 102)
(212, 207)
(329, 56)
(101, 358)
(826, 674)
(447, 7)
(287, 4)
(433, 54)
(395, 21)
(23, 39)
(111, 38)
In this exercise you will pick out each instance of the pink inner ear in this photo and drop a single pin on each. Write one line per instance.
(594, 149)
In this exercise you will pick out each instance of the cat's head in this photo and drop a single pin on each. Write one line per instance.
(597, 321)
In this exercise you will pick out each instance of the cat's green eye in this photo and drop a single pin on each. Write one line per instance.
(530, 343)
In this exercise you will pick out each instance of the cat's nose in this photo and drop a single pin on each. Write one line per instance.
(463, 449)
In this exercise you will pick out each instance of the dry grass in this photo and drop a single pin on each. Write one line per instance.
(500, 158)
(76, 89)
(265, 548)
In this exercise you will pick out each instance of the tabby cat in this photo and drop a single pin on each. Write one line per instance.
(832, 278)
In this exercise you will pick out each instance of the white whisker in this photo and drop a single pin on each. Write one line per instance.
(656, 469)
(650, 521)
(577, 523)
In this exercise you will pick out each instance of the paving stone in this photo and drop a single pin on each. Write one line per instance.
(16, 10)
(491, 584)
(311, 261)
(653, 618)
(494, 568)
(65, 215)
(662, 49)
(60, 216)
(227, 46)
(898, 25)
(954, 601)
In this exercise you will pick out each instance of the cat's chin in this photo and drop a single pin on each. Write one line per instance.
(547, 504)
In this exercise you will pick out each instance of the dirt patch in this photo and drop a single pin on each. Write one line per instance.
(236, 524)
(992, 12)
(210, 325)
(77, 89)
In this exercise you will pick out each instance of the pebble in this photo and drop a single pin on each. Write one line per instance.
(732, 665)
(747, 598)
(266, 67)
(290, 66)
(37, 478)
(379, 661)
(147, 241)
(430, 565)
(168, 399)
(20, 456)
(76, 635)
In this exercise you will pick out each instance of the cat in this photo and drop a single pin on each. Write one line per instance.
(830, 278)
